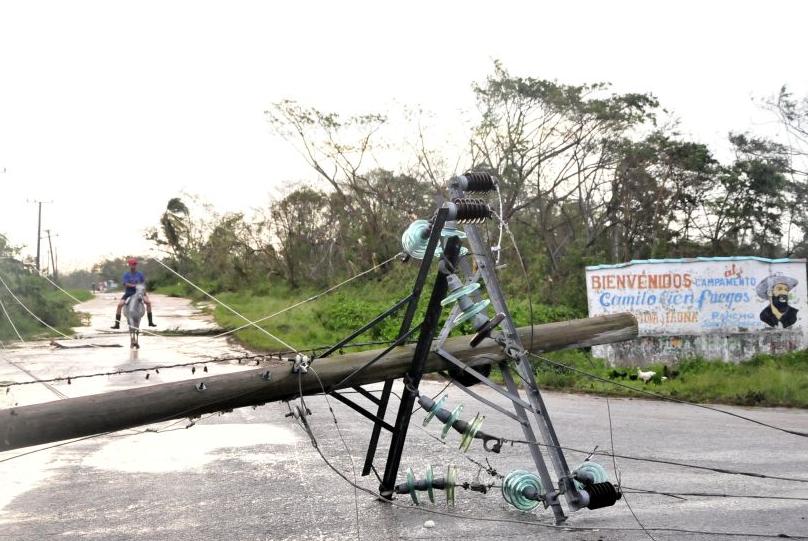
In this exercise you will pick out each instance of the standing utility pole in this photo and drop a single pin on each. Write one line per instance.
(39, 231)
(54, 272)
(38, 234)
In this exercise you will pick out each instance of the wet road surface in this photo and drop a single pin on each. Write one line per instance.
(252, 474)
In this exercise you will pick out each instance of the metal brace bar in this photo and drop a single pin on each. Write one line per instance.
(423, 272)
(356, 407)
(429, 328)
(365, 327)
(552, 494)
(515, 350)
(367, 394)
(469, 370)
(400, 340)
(482, 399)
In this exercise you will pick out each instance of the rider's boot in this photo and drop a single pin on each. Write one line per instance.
(117, 322)
(151, 321)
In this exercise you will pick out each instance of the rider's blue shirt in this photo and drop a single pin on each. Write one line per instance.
(132, 278)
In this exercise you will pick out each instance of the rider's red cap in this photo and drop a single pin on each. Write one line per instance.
(132, 261)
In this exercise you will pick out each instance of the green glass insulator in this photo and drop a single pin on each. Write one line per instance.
(411, 485)
(459, 292)
(438, 405)
(430, 476)
(416, 237)
(451, 483)
(455, 415)
(593, 469)
(514, 487)
(472, 311)
(472, 430)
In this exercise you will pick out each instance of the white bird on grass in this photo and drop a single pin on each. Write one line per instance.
(645, 376)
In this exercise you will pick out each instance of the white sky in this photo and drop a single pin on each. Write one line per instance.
(108, 109)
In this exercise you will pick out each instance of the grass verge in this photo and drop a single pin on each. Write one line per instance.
(765, 380)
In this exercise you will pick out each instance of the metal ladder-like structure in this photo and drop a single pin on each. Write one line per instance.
(457, 282)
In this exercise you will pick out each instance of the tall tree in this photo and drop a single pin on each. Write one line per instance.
(747, 206)
(658, 183)
(551, 144)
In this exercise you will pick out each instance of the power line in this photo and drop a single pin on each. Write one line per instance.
(670, 463)
(342, 439)
(315, 443)
(668, 398)
(51, 388)
(261, 329)
(726, 471)
(286, 309)
(37, 318)
(248, 357)
(617, 475)
(209, 360)
(57, 286)
(154, 368)
(713, 495)
(344, 443)
(46, 384)
(295, 305)
(33, 315)
(11, 321)
(642, 527)
(309, 299)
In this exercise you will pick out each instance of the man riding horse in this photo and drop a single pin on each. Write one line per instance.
(130, 280)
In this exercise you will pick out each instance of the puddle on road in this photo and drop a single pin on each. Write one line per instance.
(23, 474)
(184, 449)
(147, 452)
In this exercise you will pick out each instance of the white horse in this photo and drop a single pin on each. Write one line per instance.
(134, 310)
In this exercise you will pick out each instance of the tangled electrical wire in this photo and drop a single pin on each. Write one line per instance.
(257, 358)
(301, 418)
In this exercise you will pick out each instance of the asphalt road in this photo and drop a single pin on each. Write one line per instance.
(253, 474)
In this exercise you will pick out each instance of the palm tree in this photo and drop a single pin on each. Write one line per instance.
(174, 223)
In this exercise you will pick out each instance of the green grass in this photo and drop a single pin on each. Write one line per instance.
(763, 381)
(81, 294)
(313, 324)
(178, 289)
(54, 295)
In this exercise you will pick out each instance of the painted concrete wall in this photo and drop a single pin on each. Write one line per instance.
(727, 308)
(736, 347)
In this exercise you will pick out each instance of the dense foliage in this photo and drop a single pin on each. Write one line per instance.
(587, 176)
(35, 293)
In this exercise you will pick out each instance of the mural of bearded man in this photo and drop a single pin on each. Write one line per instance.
(775, 290)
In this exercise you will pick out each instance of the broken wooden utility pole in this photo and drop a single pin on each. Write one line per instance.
(96, 414)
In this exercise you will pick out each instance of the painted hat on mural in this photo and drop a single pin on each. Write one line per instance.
(765, 286)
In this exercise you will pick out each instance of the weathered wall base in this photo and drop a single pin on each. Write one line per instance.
(735, 347)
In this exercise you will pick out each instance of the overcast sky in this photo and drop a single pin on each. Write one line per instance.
(108, 109)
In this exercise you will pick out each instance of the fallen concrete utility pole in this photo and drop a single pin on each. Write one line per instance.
(108, 412)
